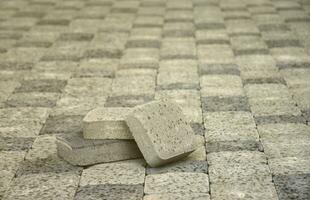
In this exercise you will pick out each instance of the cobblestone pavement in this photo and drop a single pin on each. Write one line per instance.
(240, 69)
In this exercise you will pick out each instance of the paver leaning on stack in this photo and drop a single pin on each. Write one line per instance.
(159, 129)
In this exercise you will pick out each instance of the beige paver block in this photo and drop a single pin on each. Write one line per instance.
(161, 132)
(106, 123)
(79, 151)
(176, 183)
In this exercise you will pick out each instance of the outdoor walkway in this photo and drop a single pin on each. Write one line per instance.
(240, 69)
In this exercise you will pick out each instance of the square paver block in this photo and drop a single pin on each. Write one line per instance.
(161, 132)
(179, 182)
(106, 123)
(79, 151)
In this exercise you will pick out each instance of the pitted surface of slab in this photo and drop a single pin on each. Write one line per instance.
(161, 132)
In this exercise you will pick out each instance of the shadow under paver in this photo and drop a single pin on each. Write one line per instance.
(161, 132)
(79, 151)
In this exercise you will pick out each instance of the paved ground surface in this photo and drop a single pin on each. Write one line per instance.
(239, 68)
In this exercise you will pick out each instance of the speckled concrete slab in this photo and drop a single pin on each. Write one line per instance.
(106, 123)
(161, 132)
(179, 182)
(79, 151)
(178, 196)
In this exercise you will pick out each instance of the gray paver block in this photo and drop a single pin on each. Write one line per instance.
(79, 151)
(238, 166)
(198, 154)
(97, 68)
(139, 58)
(118, 180)
(244, 190)
(221, 85)
(62, 124)
(43, 158)
(178, 196)
(161, 132)
(289, 165)
(43, 186)
(110, 191)
(89, 87)
(181, 182)
(230, 126)
(45, 85)
(5, 180)
(217, 103)
(188, 100)
(198, 166)
(180, 48)
(138, 85)
(131, 172)
(294, 186)
(15, 143)
(33, 99)
(285, 140)
(106, 123)
(248, 145)
(128, 100)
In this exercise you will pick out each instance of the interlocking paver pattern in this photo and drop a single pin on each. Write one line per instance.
(238, 69)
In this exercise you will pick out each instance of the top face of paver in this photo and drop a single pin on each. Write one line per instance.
(106, 123)
(161, 132)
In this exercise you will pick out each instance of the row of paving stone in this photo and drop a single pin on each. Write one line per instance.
(239, 70)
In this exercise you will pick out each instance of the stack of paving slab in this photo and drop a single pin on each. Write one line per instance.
(157, 131)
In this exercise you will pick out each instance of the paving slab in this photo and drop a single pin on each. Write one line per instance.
(131, 172)
(106, 123)
(241, 67)
(118, 180)
(289, 165)
(79, 151)
(161, 132)
(177, 196)
(194, 166)
(47, 185)
(293, 186)
(230, 128)
(110, 191)
(33, 99)
(246, 166)
(176, 183)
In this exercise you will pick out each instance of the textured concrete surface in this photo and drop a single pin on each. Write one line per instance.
(239, 69)
(161, 132)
